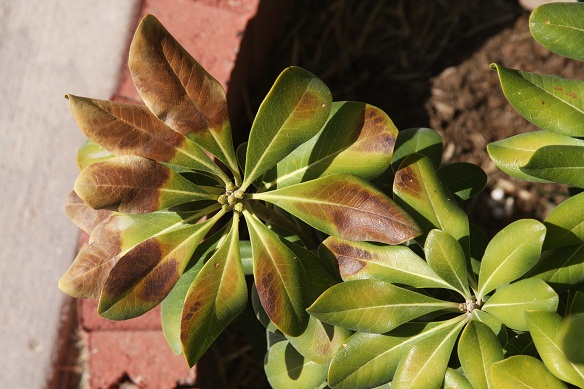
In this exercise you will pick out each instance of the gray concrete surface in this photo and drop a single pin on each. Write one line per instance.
(47, 48)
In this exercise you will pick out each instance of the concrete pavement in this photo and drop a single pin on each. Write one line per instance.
(47, 48)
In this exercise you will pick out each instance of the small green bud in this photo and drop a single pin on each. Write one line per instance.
(238, 194)
(222, 199)
(231, 200)
(238, 207)
(230, 187)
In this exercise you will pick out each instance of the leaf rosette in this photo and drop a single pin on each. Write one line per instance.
(157, 181)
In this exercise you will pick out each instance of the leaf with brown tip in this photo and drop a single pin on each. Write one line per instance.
(345, 206)
(111, 239)
(144, 275)
(82, 214)
(179, 91)
(130, 129)
(216, 297)
(279, 277)
(133, 184)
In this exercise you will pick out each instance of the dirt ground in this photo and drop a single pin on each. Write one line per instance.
(426, 63)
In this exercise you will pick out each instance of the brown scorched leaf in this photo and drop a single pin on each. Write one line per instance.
(130, 129)
(179, 91)
(144, 275)
(133, 184)
(345, 206)
(82, 214)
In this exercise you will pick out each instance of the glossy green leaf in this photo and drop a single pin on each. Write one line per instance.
(454, 379)
(279, 277)
(179, 91)
(319, 340)
(172, 306)
(373, 306)
(565, 224)
(368, 360)
(447, 259)
(524, 372)
(510, 302)
(424, 365)
(90, 153)
(550, 102)
(478, 349)
(576, 303)
(562, 267)
(419, 190)
(494, 323)
(345, 206)
(130, 129)
(544, 328)
(132, 184)
(145, 274)
(464, 180)
(294, 110)
(395, 264)
(510, 254)
(357, 139)
(286, 368)
(570, 338)
(512, 153)
(422, 140)
(560, 28)
(216, 297)
(82, 214)
(563, 164)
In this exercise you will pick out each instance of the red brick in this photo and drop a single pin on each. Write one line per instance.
(143, 356)
(211, 35)
(89, 319)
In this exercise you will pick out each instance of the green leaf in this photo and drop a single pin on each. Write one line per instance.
(478, 349)
(544, 328)
(345, 206)
(563, 164)
(286, 368)
(565, 224)
(132, 184)
(510, 254)
(510, 302)
(562, 267)
(319, 341)
(368, 360)
(279, 277)
(576, 303)
(560, 28)
(463, 179)
(216, 297)
(395, 264)
(447, 259)
(550, 102)
(82, 214)
(179, 91)
(520, 343)
(524, 371)
(130, 129)
(419, 190)
(422, 140)
(144, 275)
(493, 322)
(373, 306)
(570, 338)
(294, 110)
(424, 365)
(90, 153)
(357, 139)
(511, 154)
(454, 379)
(172, 306)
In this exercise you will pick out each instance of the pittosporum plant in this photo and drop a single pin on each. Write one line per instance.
(356, 290)
(156, 180)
